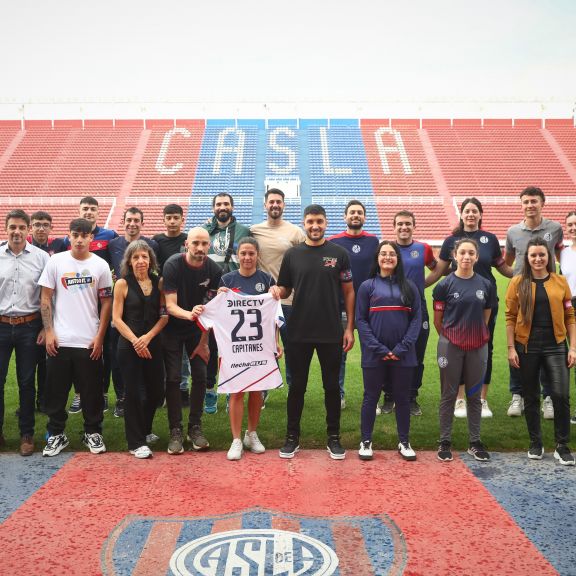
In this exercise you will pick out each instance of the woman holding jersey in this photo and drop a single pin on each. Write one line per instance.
(462, 306)
(539, 316)
(388, 318)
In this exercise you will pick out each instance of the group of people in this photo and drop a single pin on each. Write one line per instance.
(215, 302)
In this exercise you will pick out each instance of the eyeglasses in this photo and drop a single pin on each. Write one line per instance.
(42, 225)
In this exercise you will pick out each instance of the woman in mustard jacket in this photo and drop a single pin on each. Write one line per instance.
(539, 315)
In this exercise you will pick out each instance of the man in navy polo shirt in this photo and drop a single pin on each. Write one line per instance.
(361, 247)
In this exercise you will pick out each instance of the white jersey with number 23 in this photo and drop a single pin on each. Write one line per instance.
(245, 331)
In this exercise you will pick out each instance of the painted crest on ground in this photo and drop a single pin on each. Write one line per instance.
(256, 542)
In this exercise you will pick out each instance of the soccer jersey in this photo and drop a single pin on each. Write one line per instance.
(361, 250)
(258, 283)
(519, 235)
(489, 252)
(463, 301)
(77, 285)
(415, 257)
(245, 330)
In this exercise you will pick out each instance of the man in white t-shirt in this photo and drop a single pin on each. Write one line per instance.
(276, 235)
(72, 285)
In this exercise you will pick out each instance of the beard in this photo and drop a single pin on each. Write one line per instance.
(223, 215)
(355, 225)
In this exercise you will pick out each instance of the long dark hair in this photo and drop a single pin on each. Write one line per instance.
(525, 285)
(459, 230)
(406, 291)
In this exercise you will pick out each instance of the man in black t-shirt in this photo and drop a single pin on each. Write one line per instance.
(319, 272)
(189, 279)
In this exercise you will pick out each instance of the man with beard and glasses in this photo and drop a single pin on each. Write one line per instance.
(361, 247)
(276, 235)
(319, 272)
(224, 231)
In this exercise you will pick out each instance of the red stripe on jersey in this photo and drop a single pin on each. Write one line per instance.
(390, 309)
(259, 379)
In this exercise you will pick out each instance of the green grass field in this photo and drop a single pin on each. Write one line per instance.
(499, 433)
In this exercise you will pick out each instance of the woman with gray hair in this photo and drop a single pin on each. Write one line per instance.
(139, 314)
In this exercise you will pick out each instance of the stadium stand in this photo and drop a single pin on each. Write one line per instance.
(427, 166)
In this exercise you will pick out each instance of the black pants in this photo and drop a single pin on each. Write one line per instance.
(329, 356)
(117, 371)
(74, 365)
(144, 390)
(543, 353)
(173, 345)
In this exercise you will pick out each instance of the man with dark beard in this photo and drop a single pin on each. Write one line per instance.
(361, 247)
(224, 231)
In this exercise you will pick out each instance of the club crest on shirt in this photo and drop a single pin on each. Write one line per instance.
(257, 541)
(414, 254)
(260, 287)
(356, 248)
(330, 262)
(480, 294)
(484, 239)
(442, 361)
(456, 295)
(547, 236)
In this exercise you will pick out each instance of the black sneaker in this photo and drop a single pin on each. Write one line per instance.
(119, 408)
(387, 407)
(415, 409)
(185, 397)
(563, 455)
(445, 451)
(335, 449)
(291, 446)
(479, 452)
(536, 451)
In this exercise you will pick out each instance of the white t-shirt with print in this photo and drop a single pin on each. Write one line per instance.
(77, 285)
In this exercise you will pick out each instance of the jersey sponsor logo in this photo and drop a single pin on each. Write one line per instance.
(484, 239)
(442, 361)
(414, 254)
(330, 262)
(258, 542)
(77, 281)
(480, 294)
(356, 248)
(245, 303)
(547, 236)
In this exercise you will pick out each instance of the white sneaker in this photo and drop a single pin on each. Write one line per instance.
(151, 438)
(486, 412)
(342, 403)
(235, 452)
(378, 410)
(516, 406)
(142, 452)
(252, 443)
(94, 442)
(460, 410)
(365, 452)
(548, 408)
(406, 451)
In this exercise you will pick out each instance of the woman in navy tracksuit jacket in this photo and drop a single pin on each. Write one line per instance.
(388, 319)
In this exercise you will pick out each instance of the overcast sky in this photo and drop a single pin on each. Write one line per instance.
(301, 50)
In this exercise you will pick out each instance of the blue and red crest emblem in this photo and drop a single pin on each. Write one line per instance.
(256, 542)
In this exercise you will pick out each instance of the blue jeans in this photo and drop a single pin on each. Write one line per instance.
(21, 338)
